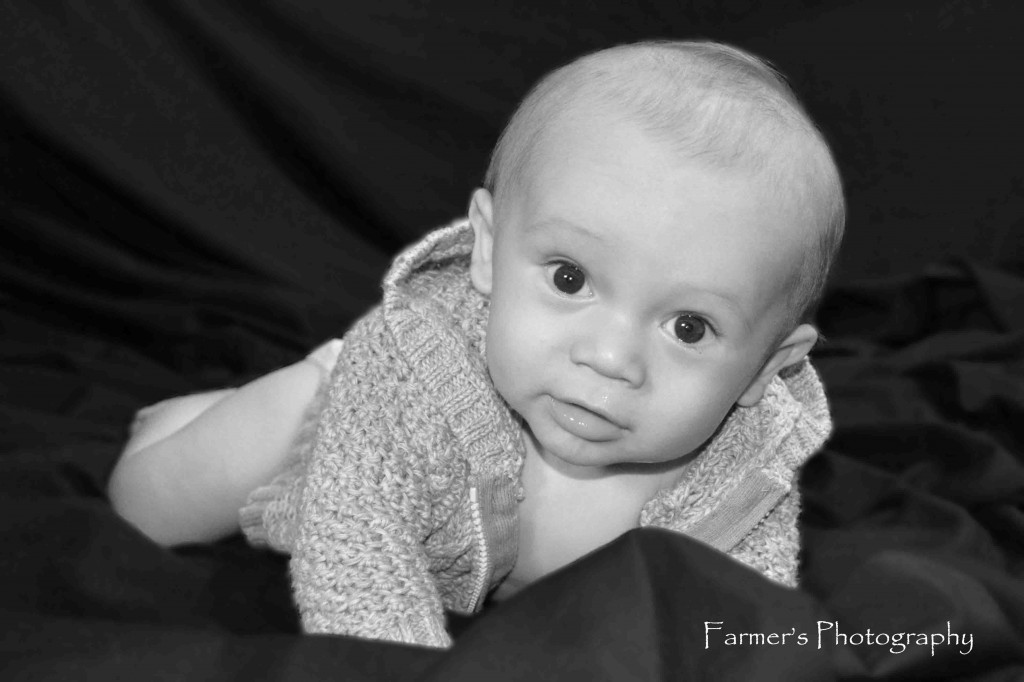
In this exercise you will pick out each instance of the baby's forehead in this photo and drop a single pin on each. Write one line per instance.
(624, 185)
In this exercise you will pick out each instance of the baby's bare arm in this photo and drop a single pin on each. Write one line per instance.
(187, 485)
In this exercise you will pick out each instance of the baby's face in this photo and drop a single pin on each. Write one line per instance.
(635, 297)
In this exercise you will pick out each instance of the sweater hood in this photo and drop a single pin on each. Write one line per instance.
(447, 245)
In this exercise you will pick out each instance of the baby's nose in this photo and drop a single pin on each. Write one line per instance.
(612, 346)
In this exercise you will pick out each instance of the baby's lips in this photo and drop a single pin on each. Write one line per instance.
(583, 422)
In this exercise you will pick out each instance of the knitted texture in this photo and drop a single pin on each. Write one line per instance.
(402, 501)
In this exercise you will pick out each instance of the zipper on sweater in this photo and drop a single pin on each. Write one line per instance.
(484, 557)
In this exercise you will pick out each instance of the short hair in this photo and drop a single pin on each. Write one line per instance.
(715, 104)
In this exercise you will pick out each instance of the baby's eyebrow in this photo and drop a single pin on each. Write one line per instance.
(728, 299)
(561, 223)
(731, 302)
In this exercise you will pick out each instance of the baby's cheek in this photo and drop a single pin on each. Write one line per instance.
(690, 414)
(503, 361)
(527, 349)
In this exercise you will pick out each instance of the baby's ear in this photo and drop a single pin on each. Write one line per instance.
(792, 350)
(481, 217)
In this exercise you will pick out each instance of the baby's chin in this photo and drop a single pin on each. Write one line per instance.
(563, 450)
(589, 458)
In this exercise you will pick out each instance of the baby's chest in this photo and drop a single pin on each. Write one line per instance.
(558, 524)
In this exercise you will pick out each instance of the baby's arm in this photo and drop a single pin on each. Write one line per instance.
(188, 485)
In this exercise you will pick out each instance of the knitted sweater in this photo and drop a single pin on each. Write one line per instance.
(400, 499)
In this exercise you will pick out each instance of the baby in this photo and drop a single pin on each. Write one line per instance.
(616, 337)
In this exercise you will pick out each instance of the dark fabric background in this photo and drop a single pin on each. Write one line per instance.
(194, 193)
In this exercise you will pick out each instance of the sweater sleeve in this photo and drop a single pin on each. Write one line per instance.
(359, 566)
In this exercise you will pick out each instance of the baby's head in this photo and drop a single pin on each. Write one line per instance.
(657, 225)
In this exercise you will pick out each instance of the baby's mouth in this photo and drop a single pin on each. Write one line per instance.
(596, 411)
(585, 421)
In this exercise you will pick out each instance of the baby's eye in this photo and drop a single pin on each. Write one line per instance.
(568, 278)
(689, 328)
